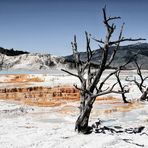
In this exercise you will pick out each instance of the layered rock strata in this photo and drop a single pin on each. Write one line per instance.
(42, 96)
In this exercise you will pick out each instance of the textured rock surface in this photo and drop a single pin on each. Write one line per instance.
(42, 96)
(46, 61)
(32, 62)
(122, 55)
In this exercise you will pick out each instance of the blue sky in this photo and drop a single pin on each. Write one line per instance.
(48, 26)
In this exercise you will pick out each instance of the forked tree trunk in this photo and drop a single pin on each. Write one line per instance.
(92, 82)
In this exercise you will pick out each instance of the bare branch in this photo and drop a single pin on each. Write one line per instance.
(116, 48)
(113, 18)
(121, 87)
(83, 90)
(102, 83)
(139, 73)
(145, 78)
(70, 73)
(76, 55)
(99, 41)
(110, 90)
(77, 87)
(112, 27)
(126, 39)
(131, 59)
(88, 49)
(105, 89)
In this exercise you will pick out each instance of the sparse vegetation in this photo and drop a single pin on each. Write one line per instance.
(12, 52)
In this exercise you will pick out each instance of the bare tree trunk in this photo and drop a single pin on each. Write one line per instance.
(81, 124)
(82, 101)
(121, 87)
(144, 95)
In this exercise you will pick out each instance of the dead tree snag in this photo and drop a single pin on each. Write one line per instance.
(92, 85)
(140, 83)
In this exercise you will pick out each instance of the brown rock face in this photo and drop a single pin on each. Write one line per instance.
(41, 96)
(18, 87)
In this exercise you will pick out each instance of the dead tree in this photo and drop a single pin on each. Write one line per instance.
(121, 87)
(140, 83)
(92, 86)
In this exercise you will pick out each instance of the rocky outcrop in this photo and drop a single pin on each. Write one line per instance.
(122, 55)
(38, 61)
(32, 62)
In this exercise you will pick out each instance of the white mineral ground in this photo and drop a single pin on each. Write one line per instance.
(24, 126)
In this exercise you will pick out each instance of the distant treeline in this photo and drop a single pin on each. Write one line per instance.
(12, 52)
